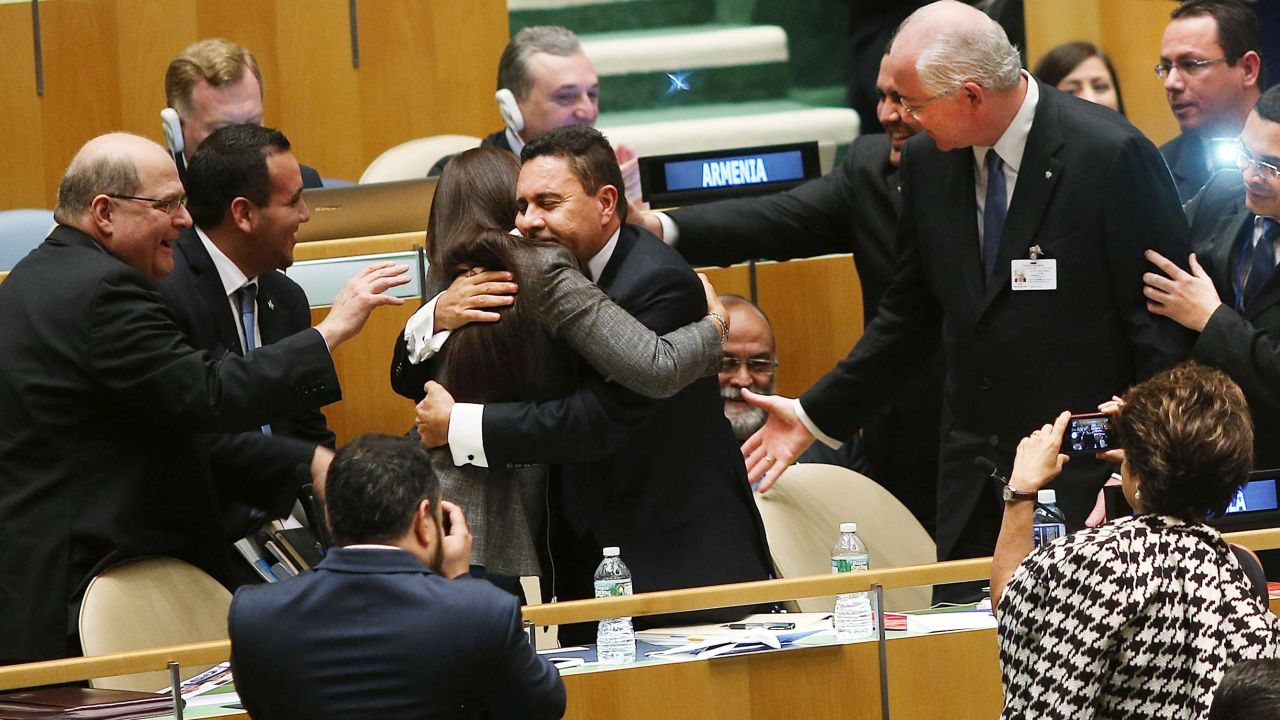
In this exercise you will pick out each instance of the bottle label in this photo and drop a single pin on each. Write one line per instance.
(844, 565)
(612, 588)
(1045, 533)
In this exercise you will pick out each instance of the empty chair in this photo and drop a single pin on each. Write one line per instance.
(151, 602)
(20, 232)
(802, 514)
(411, 160)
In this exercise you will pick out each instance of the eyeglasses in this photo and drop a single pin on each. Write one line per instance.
(1265, 170)
(168, 205)
(756, 366)
(1185, 66)
(915, 110)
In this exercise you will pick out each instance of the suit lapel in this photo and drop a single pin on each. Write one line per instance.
(964, 251)
(212, 293)
(1219, 254)
(1270, 293)
(626, 241)
(271, 314)
(1037, 177)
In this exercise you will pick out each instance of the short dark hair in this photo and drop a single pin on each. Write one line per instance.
(231, 163)
(1268, 106)
(1188, 436)
(1058, 63)
(1238, 30)
(590, 157)
(1250, 690)
(374, 488)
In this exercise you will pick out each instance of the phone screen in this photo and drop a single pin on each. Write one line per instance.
(1088, 433)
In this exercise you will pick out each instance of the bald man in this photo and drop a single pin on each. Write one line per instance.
(102, 399)
(1009, 171)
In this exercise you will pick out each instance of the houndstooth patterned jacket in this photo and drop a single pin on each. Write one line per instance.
(1138, 618)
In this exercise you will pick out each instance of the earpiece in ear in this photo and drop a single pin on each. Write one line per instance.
(510, 111)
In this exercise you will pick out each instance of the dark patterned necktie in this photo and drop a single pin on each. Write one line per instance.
(993, 212)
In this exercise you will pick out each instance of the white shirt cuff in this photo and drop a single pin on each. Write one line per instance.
(421, 343)
(670, 231)
(826, 439)
(466, 435)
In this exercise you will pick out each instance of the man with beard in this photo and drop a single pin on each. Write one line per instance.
(751, 363)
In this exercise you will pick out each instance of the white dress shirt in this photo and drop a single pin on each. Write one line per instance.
(232, 280)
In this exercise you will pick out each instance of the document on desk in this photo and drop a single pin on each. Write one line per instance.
(951, 621)
(687, 634)
(741, 641)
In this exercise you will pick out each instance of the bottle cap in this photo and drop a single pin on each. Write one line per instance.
(1047, 497)
(611, 551)
(848, 527)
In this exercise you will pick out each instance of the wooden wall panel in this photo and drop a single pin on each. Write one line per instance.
(1129, 30)
(815, 306)
(21, 135)
(427, 68)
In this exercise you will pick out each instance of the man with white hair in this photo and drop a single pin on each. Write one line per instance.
(1025, 216)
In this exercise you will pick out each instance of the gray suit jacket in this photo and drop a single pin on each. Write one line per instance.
(506, 506)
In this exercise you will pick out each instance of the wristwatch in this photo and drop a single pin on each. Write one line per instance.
(1010, 494)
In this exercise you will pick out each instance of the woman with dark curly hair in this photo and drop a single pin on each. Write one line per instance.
(1082, 69)
(1138, 618)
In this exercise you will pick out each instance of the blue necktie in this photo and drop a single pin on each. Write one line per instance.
(1262, 264)
(993, 212)
(248, 310)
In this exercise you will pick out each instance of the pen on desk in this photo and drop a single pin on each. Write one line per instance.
(765, 625)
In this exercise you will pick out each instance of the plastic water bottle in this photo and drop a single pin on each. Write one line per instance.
(1048, 523)
(854, 619)
(615, 638)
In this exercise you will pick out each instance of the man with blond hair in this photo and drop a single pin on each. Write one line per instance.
(211, 84)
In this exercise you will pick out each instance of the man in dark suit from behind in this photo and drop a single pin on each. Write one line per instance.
(214, 83)
(227, 292)
(1011, 171)
(1212, 73)
(103, 402)
(389, 625)
(854, 208)
(1231, 296)
(662, 479)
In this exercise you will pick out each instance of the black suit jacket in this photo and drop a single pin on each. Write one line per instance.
(250, 467)
(1187, 163)
(852, 209)
(498, 140)
(662, 479)
(373, 633)
(1093, 194)
(1244, 345)
(101, 398)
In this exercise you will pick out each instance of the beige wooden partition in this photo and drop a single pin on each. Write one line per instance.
(1129, 30)
(426, 68)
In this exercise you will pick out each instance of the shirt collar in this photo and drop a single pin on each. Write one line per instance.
(232, 278)
(372, 546)
(601, 259)
(1013, 143)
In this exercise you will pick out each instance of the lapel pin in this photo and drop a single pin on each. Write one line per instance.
(1048, 174)
(271, 304)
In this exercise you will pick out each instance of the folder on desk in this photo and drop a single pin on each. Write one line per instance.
(72, 703)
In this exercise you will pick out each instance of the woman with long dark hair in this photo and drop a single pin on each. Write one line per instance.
(1084, 70)
(532, 351)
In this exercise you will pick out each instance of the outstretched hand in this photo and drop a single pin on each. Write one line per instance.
(772, 449)
(359, 297)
